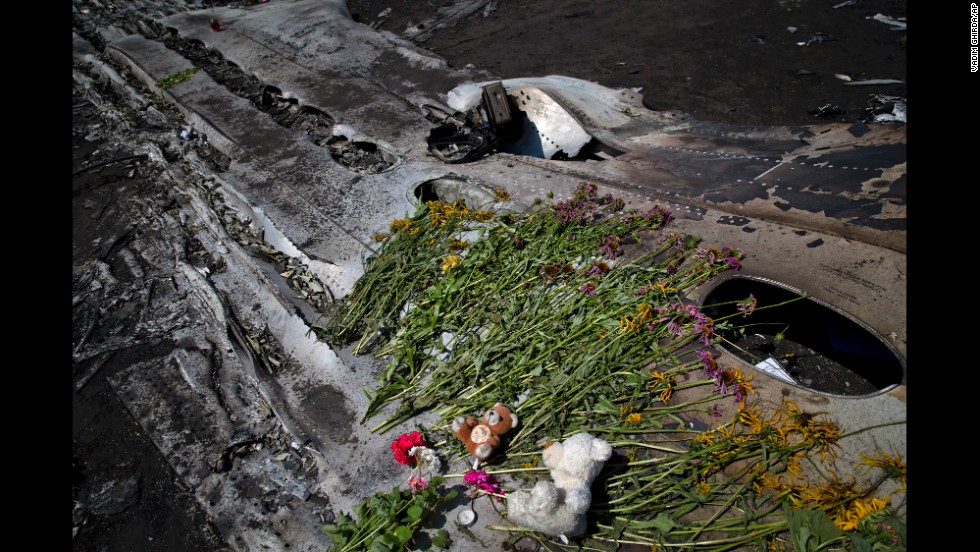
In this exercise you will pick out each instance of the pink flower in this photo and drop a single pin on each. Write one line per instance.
(403, 444)
(710, 364)
(483, 481)
(748, 306)
(417, 484)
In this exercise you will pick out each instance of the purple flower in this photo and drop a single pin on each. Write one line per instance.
(643, 290)
(659, 216)
(597, 268)
(732, 257)
(710, 365)
(587, 190)
(616, 203)
(675, 237)
(588, 288)
(720, 385)
(483, 481)
(611, 246)
(748, 306)
(737, 392)
(585, 204)
(715, 413)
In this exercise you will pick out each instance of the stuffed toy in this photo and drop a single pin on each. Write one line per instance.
(558, 507)
(577, 461)
(482, 437)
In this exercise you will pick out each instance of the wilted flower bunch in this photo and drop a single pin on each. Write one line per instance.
(580, 309)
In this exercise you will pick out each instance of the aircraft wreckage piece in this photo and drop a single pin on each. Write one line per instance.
(847, 179)
(817, 208)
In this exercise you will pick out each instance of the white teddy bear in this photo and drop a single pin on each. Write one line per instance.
(558, 507)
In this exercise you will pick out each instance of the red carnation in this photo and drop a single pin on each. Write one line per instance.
(405, 443)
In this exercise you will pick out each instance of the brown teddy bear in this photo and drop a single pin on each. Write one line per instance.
(482, 437)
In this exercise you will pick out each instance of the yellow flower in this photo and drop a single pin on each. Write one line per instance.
(629, 414)
(631, 454)
(738, 382)
(399, 225)
(833, 492)
(379, 237)
(451, 261)
(632, 323)
(847, 519)
(705, 439)
(747, 415)
(668, 381)
(793, 467)
(626, 325)
(767, 480)
(892, 465)
(663, 288)
(643, 312)
(797, 494)
(483, 216)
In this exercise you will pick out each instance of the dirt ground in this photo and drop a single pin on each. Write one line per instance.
(754, 62)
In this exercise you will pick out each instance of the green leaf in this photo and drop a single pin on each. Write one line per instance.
(607, 406)
(860, 544)
(809, 524)
(801, 535)
(685, 508)
(619, 525)
(663, 523)
(441, 539)
(403, 534)
(361, 509)
(415, 512)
